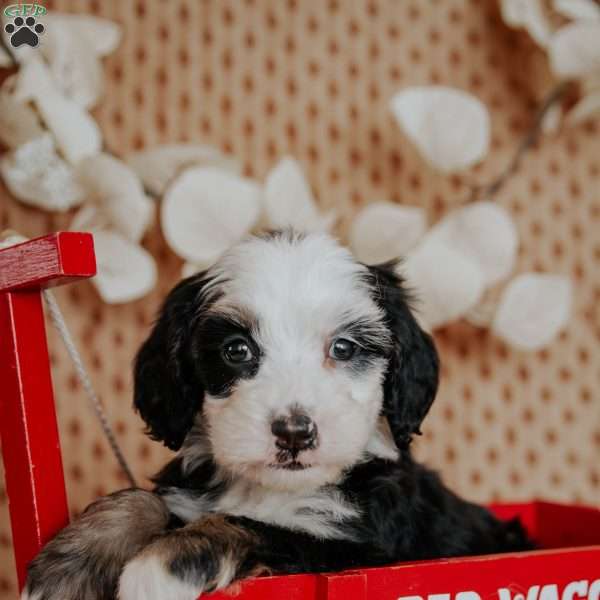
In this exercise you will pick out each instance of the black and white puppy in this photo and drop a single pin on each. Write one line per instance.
(291, 379)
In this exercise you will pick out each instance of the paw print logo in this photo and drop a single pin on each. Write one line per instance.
(24, 31)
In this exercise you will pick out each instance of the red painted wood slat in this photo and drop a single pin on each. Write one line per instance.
(495, 577)
(30, 445)
(47, 261)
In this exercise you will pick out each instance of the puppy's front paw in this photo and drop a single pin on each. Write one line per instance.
(147, 578)
(69, 576)
(84, 561)
(204, 556)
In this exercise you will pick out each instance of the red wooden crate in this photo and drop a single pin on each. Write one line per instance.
(555, 573)
(568, 567)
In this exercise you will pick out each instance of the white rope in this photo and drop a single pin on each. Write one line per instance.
(61, 326)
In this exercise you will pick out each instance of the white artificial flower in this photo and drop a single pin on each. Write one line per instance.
(449, 127)
(289, 201)
(76, 134)
(206, 210)
(126, 271)
(485, 233)
(533, 309)
(35, 174)
(159, 166)
(446, 282)
(384, 231)
(117, 193)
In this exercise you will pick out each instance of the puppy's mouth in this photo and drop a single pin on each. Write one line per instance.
(287, 460)
(291, 465)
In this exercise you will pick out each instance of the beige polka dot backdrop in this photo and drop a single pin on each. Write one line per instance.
(261, 79)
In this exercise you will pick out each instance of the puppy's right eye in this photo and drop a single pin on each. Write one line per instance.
(237, 352)
(342, 349)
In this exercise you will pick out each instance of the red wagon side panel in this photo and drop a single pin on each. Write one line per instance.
(555, 525)
(541, 575)
(569, 574)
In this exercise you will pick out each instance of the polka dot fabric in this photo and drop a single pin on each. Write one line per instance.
(265, 78)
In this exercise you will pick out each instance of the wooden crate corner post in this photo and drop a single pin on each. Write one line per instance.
(30, 446)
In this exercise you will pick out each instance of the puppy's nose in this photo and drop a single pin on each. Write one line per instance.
(297, 432)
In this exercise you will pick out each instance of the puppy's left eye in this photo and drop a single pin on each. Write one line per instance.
(342, 349)
(237, 352)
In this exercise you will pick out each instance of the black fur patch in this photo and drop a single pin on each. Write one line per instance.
(167, 391)
(182, 360)
(219, 377)
(200, 552)
(412, 376)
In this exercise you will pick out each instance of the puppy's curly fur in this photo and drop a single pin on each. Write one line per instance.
(290, 379)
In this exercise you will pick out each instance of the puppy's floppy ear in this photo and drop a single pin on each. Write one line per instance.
(167, 393)
(412, 376)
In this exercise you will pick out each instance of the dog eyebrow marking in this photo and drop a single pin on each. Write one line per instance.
(369, 333)
(237, 315)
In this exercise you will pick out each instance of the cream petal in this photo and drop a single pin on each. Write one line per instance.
(575, 49)
(19, 123)
(289, 201)
(77, 135)
(485, 233)
(530, 15)
(383, 231)
(450, 128)
(33, 80)
(533, 309)
(447, 284)
(102, 35)
(577, 9)
(206, 210)
(159, 166)
(118, 193)
(126, 271)
(36, 175)
(75, 68)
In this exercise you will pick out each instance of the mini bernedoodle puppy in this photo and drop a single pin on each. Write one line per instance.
(290, 378)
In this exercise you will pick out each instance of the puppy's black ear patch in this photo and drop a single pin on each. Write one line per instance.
(167, 393)
(412, 376)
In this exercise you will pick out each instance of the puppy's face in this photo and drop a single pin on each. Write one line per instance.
(292, 354)
(283, 352)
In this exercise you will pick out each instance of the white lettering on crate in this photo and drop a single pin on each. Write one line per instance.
(575, 590)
